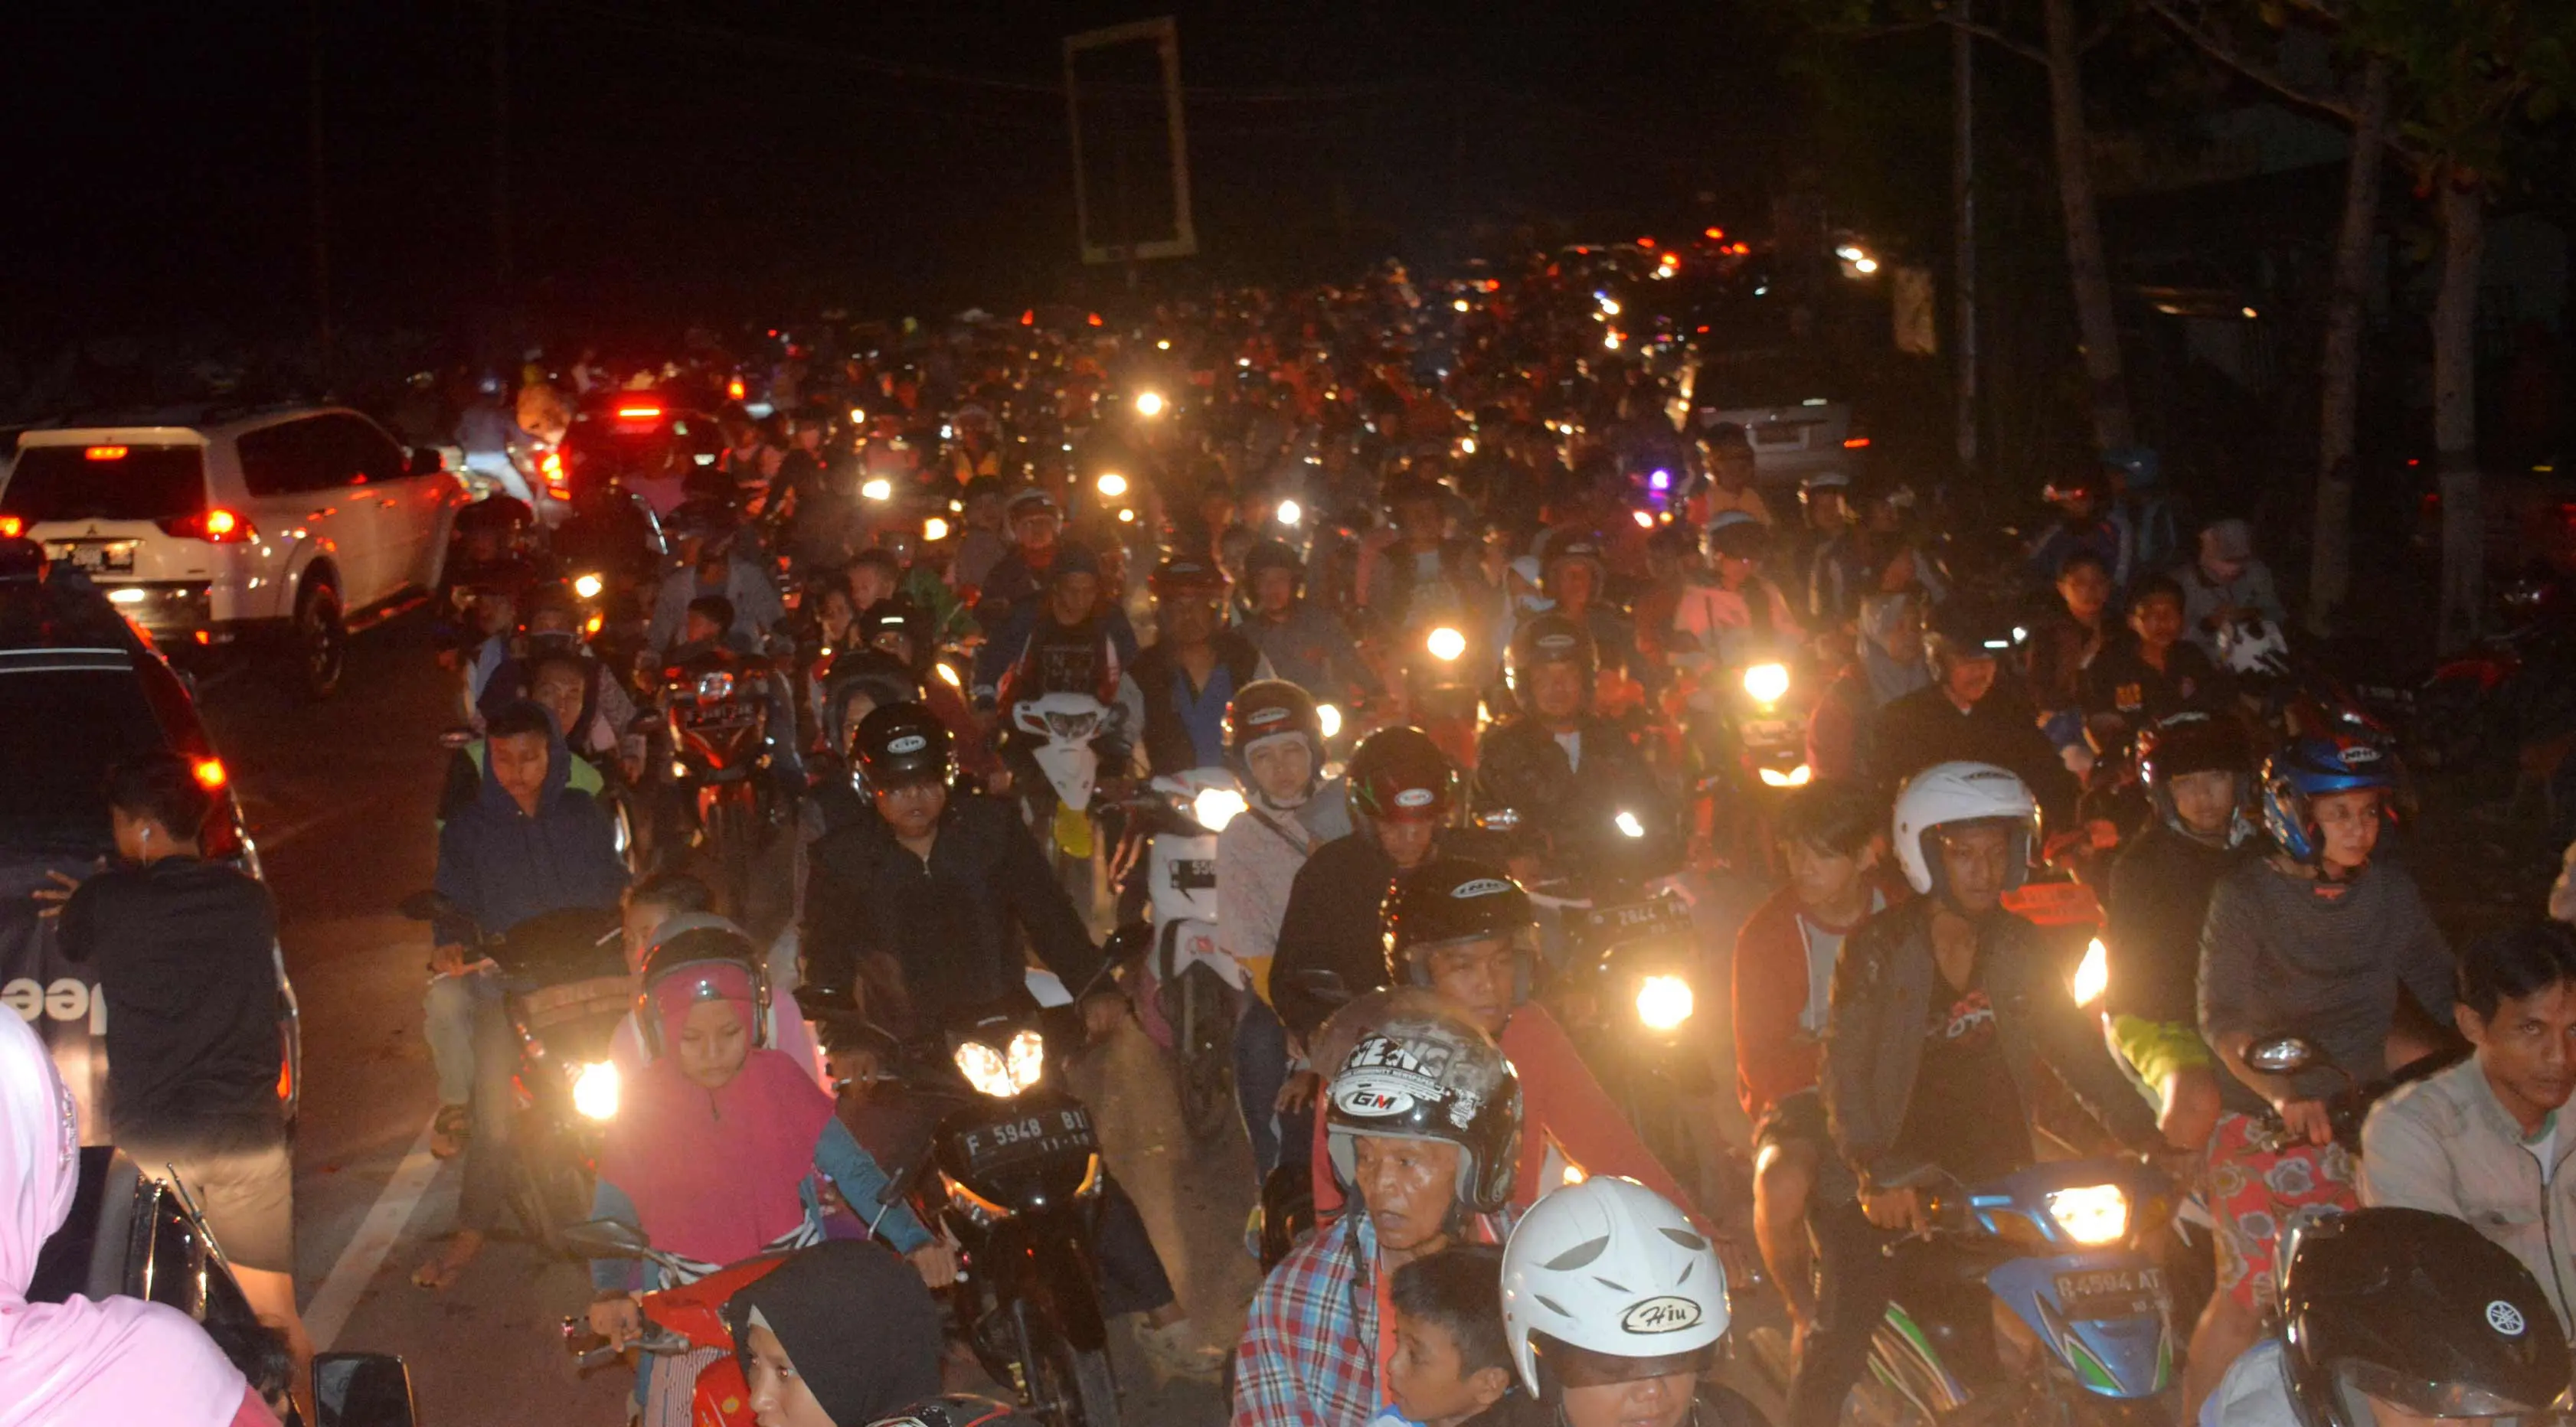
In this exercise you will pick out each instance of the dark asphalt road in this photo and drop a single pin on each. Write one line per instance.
(340, 800)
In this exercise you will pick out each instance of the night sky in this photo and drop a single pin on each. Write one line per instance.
(672, 160)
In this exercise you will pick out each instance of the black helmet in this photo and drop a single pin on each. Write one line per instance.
(956, 1409)
(1431, 1076)
(2418, 1309)
(1549, 639)
(701, 517)
(905, 743)
(1966, 629)
(1267, 708)
(2193, 742)
(900, 615)
(1186, 575)
(1400, 775)
(718, 956)
(1449, 899)
(1272, 554)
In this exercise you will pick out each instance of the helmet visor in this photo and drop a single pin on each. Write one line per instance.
(2372, 1393)
(1583, 1367)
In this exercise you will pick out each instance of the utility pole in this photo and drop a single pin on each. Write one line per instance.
(321, 184)
(1963, 244)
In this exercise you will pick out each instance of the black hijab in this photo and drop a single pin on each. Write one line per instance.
(856, 1321)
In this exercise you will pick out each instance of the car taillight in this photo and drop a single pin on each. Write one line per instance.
(11, 527)
(552, 468)
(217, 526)
(209, 773)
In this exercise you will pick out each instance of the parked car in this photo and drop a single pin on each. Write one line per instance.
(287, 528)
(80, 689)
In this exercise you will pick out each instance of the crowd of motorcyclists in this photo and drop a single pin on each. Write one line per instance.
(1471, 662)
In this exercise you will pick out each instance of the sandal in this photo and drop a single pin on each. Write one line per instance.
(449, 1132)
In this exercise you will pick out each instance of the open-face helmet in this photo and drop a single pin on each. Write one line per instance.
(2310, 768)
(1610, 1267)
(1267, 709)
(1400, 775)
(1946, 794)
(1448, 900)
(904, 743)
(1549, 639)
(700, 957)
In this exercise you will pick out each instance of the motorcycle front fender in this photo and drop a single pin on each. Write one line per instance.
(1046, 1260)
(1071, 769)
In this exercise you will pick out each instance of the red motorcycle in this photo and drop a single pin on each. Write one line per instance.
(715, 722)
(686, 1318)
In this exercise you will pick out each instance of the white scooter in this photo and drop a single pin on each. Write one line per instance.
(1067, 729)
(1196, 987)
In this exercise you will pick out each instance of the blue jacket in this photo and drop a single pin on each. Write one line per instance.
(502, 866)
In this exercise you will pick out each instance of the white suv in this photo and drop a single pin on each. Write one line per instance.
(289, 526)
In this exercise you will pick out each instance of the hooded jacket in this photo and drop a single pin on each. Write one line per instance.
(500, 866)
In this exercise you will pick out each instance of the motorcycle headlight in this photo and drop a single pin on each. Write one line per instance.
(1664, 1002)
(1446, 644)
(2092, 1213)
(877, 489)
(1330, 718)
(715, 688)
(1215, 807)
(594, 1091)
(2093, 974)
(1290, 512)
(1767, 682)
(994, 1074)
(587, 586)
(1112, 485)
(1795, 778)
(1149, 403)
(1628, 825)
(934, 529)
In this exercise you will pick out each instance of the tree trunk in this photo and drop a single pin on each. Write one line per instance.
(2455, 409)
(2339, 366)
(2088, 273)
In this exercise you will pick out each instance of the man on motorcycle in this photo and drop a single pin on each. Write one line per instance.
(2079, 526)
(528, 844)
(2228, 581)
(1275, 746)
(2466, 1141)
(2318, 939)
(1300, 638)
(1720, 619)
(2154, 672)
(1970, 714)
(714, 561)
(1832, 837)
(1424, 1125)
(1943, 1008)
(1889, 664)
(1534, 763)
(2195, 767)
(2398, 1316)
(1577, 579)
(1074, 642)
(917, 915)
(1820, 560)
(1416, 553)
(2063, 642)
(1016, 579)
(1613, 1305)
(1330, 940)
(1726, 459)
(1184, 681)
(1466, 931)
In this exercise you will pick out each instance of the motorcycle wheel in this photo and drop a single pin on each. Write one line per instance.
(1203, 1054)
(1061, 1386)
(547, 1190)
(731, 828)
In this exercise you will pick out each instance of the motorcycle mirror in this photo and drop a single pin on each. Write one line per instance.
(424, 461)
(362, 1390)
(425, 906)
(1327, 987)
(458, 737)
(2282, 1055)
(605, 1239)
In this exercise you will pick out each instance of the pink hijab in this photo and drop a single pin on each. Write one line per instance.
(119, 1360)
(714, 1173)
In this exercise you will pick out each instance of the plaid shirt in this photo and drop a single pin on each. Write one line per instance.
(1309, 1352)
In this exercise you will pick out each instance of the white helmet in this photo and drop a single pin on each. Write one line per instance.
(1611, 1267)
(1958, 793)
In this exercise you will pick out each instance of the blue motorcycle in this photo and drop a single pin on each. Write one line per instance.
(2072, 1249)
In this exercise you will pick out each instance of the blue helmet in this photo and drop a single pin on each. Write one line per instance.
(2310, 768)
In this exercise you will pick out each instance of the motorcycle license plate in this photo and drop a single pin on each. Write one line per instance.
(1193, 874)
(1636, 920)
(1767, 732)
(2093, 1294)
(1040, 1136)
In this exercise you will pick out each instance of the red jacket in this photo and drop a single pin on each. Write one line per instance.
(1774, 1058)
(1560, 1104)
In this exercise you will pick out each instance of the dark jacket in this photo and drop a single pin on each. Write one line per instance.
(186, 952)
(1332, 924)
(501, 866)
(1521, 766)
(1924, 728)
(1874, 1036)
(1169, 747)
(929, 940)
(2159, 896)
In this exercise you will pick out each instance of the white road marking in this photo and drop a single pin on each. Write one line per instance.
(331, 1305)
